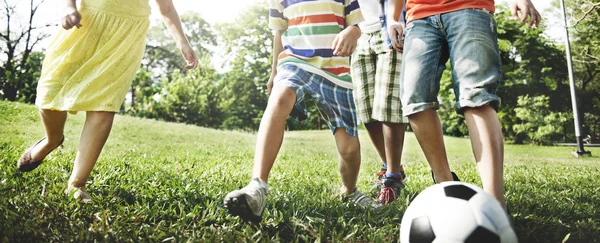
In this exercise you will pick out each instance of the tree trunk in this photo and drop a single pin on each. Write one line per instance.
(519, 138)
(133, 98)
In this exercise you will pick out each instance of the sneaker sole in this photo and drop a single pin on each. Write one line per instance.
(238, 206)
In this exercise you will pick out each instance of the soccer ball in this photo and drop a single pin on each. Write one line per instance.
(455, 212)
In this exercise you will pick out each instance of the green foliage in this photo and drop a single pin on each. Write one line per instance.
(532, 65)
(28, 78)
(23, 79)
(192, 98)
(582, 18)
(142, 90)
(249, 42)
(158, 181)
(537, 121)
(585, 46)
(19, 62)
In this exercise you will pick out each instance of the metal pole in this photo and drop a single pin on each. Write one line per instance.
(580, 150)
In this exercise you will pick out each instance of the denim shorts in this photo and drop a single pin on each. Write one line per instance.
(469, 39)
(335, 103)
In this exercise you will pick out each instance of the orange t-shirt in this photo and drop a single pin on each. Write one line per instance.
(418, 9)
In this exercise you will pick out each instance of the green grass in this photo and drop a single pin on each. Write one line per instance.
(158, 181)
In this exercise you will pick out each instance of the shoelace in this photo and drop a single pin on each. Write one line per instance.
(384, 195)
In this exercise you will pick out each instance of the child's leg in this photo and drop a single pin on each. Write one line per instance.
(387, 104)
(393, 135)
(93, 137)
(427, 128)
(363, 69)
(349, 150)
(423, 62)
(476, 71)
(250, 201)
(270, 132)
(487, 142)
(375, 130)
(54, 124)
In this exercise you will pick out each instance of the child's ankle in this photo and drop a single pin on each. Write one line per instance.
(393, 175)
(259, 182)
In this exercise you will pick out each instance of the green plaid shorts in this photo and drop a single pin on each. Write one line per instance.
(375, 69)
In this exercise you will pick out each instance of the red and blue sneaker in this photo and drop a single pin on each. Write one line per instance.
(390, 190)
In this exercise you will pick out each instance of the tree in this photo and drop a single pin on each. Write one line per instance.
(586, 59)
(532, 65)
(189, 98)
(583, 17)
(162, 59)
(162, 55)
(538, 123)
(18, 72)
(248, 42)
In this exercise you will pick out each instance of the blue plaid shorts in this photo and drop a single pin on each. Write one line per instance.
(335, 103)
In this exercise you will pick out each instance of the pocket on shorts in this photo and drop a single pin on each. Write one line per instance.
(485, 11)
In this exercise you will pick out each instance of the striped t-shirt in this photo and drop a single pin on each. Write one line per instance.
(311, 26)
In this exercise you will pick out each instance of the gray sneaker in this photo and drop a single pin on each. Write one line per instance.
(359, 199)
(248, 202)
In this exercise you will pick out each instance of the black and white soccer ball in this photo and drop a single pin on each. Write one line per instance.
(455, 212)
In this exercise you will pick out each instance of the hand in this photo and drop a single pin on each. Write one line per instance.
(270, 82)
(190, 57)
(396, 33)
(71, 20)
(345, 42)
(527, 10)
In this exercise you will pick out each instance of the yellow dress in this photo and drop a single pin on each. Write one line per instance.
(91, 68)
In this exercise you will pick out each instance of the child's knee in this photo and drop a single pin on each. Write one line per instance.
(100, 117)
(486, 109)
(282, 97)
(350, 151)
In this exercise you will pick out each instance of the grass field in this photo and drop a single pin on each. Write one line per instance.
(158, 181)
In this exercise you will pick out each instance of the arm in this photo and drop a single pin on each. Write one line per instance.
(395, 29)
(277, 49)
(72, 16)
(173, 23)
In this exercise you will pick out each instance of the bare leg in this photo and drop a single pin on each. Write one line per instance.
(54, 124)
(349, 150)
(375, 130)
(270, 132)
(393, 134)
(428, 129)
(93, 137)
(488, 148)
